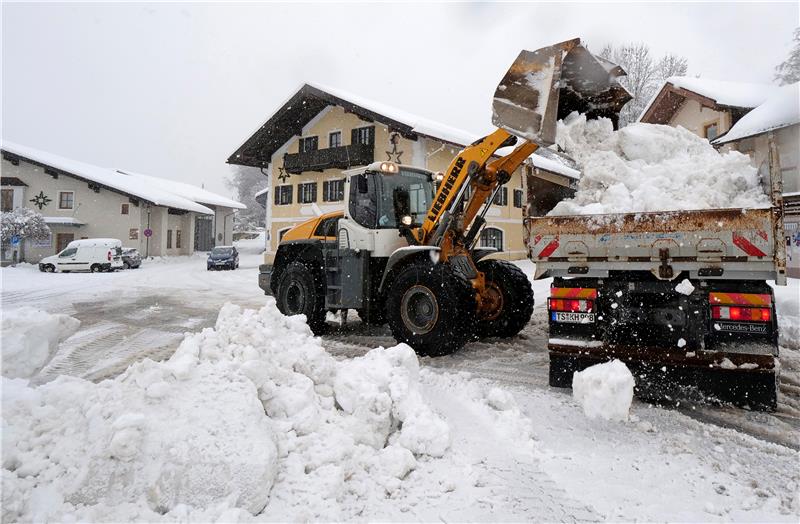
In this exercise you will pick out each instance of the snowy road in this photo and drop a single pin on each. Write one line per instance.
(661, 465)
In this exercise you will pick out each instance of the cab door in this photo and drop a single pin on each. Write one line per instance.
(67, 259)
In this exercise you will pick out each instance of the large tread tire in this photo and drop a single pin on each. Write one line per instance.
(445, 326)
(301, 291)
(517, 308)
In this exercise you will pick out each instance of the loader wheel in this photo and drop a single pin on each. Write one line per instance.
(430, 308)
(302, 292)
(513, 292)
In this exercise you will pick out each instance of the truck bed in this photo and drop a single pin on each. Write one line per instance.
(709, 244)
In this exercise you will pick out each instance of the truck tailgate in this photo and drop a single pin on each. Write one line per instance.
(715, 243)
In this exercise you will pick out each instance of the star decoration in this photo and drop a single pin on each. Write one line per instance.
(41, 200)
(282, 174)
(394, 155)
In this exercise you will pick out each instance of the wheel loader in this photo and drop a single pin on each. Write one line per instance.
(403, 251)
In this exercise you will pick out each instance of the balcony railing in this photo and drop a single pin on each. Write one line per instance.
(342, 157)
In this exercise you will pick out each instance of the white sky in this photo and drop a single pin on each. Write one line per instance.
(172, 90)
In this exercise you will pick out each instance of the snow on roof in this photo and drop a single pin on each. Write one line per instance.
(156, 190)
(263, 191)
(723, 92)
(194, 193)
(443, 132)
(421, 125)
(72, 221)
(782, 109)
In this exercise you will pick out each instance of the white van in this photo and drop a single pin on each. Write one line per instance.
(90, 254)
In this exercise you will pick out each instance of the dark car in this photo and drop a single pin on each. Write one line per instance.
(131, 259)
(223, 257)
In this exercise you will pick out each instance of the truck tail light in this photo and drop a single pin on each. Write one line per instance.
(571, 305)
(747, 314)
(109, 256)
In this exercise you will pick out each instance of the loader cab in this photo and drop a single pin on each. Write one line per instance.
(385, 195)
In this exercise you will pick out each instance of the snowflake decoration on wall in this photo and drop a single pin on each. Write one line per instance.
(41, 200)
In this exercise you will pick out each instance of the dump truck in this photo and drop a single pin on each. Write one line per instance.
(403, 250)
(681, 296)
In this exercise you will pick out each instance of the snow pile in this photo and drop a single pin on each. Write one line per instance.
(252, 415)
(647, 167)
(30, 338)
(604, 390)
(685, 287)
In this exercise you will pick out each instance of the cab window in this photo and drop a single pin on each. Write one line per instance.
(363, 200)
(70, 251)
(327, 227)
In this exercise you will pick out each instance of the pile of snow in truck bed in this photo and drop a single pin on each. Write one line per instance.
(251, 416)
(647, 167)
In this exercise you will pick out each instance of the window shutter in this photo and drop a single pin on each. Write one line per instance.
(290, 190)
(314, 192)
(371, 139)
(340, 190)
(353, 136)
(325, 186)
(277, 195)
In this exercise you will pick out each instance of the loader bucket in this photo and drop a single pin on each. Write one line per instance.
(546, 85)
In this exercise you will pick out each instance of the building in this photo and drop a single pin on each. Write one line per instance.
(706, 107)
(79, 200)
(742, 117)
(777, 119)
(319, 132)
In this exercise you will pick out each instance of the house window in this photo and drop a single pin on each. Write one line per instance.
(517, 198)
(711, 131)
(169, 239)
(335, 139)
(8, 200)
(363, 135)
(492, 237)
(307, 192)
(178, 239)
(124, 209)
(501, 198)
(333, 190)
(283, 195)
(309, 143)
(133, 233)
(66, 199)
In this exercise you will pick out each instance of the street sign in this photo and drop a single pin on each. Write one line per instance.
(15, 240)
(148, 232)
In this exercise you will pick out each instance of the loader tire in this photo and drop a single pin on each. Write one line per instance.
(301, 291)
(516, 295)
(430, 308)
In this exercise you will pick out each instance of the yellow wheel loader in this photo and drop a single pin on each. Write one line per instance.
(403, 250)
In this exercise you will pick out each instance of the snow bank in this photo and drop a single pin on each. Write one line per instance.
(604, 390)
(30, 338)
(647, 167)
(250, 416)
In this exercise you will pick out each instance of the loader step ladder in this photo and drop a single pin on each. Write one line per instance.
(333, 273)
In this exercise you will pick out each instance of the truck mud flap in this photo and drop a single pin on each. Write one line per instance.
(265, 278)
(671, 383)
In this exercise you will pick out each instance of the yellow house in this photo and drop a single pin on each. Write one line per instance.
(319, 132)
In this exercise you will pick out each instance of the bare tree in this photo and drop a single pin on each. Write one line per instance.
(788, 71)
(645, 74)
(247, 181)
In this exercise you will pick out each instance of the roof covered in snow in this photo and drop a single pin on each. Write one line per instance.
(717, 94)
(310, 99)
(155, 190)
(781, 109)
(70, 221)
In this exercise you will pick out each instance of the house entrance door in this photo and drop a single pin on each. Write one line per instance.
(62, 239)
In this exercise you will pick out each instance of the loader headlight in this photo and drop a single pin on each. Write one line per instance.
(389, 167)
(406, 220)
(438, 177)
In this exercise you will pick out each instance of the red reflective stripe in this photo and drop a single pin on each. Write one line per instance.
(549, 248)
(747, 246)
(573, 292)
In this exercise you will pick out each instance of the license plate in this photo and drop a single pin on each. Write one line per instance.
(741, 327)
(575, 318)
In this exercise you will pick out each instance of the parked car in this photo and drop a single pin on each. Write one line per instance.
(223, 257)
(90, 254)
(131, 259)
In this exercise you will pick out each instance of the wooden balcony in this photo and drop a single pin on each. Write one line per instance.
(342, 157)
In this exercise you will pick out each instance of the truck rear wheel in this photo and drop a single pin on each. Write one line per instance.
(430, 308)
(514, 294)
(302, 292)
